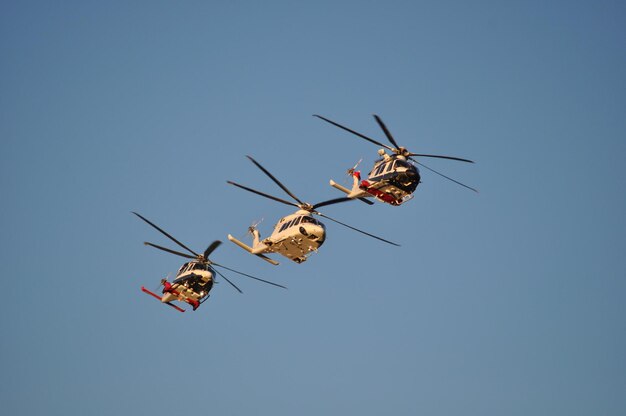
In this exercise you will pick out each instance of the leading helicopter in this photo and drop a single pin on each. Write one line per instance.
(194, 280)
(394, 177)
(297, 235)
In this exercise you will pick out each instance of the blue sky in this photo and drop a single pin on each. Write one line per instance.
(506, 302)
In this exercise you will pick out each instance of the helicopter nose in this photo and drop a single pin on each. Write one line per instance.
(307, 230)
(315, 233)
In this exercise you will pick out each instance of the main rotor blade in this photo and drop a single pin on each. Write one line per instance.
(215, 244)
(442, 157)
(356, 229)
(247, 275)
(167, 235)
(387, 133)
(283, 187)
(354, 132)
(178, 253)
(447, 177)
(367, 201)
(275, 198)
(332, 201)
(231, 283)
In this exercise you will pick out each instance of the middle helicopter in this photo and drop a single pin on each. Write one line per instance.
(297, 235)
(394, 177)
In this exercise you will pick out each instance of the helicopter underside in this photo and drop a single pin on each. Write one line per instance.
(294, 248)
(191, 288)
(182, 295)
(388, 191)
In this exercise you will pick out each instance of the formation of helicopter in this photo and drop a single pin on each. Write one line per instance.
(392, 180)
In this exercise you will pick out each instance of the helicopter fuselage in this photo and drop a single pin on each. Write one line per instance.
(392, 179)
(193, 283)
(296, 236)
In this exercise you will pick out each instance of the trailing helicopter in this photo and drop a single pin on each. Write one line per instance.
(297, 235)
(394, 177)
(194, 280)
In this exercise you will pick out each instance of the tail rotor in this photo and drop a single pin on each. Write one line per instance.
(162, 283)
(353, 168)
(253, 226)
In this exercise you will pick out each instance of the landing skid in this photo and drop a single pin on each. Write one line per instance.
(144, 290)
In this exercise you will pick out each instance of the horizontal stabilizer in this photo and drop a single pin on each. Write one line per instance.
(340, 187)
(240, 244)
(144, 290)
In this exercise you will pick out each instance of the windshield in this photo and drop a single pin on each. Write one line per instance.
(311, 220)
(402, 164)
(199, 266)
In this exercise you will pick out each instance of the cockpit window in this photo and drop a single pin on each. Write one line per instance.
(402, 164)
(310, 220)
(377, 170)
(199, 266)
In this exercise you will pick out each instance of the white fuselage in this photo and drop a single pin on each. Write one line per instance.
(295, 236)
(193, 281)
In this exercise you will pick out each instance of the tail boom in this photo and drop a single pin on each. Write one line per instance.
(355, 193)
(251, 250)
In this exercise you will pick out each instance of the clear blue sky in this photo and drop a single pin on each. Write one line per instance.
(509, 302)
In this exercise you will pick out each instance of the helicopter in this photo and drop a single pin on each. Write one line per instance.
(297, 235)
(194, 280)
(394, 177)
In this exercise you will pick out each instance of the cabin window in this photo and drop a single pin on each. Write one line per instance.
(380, 169)
(287, 225)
